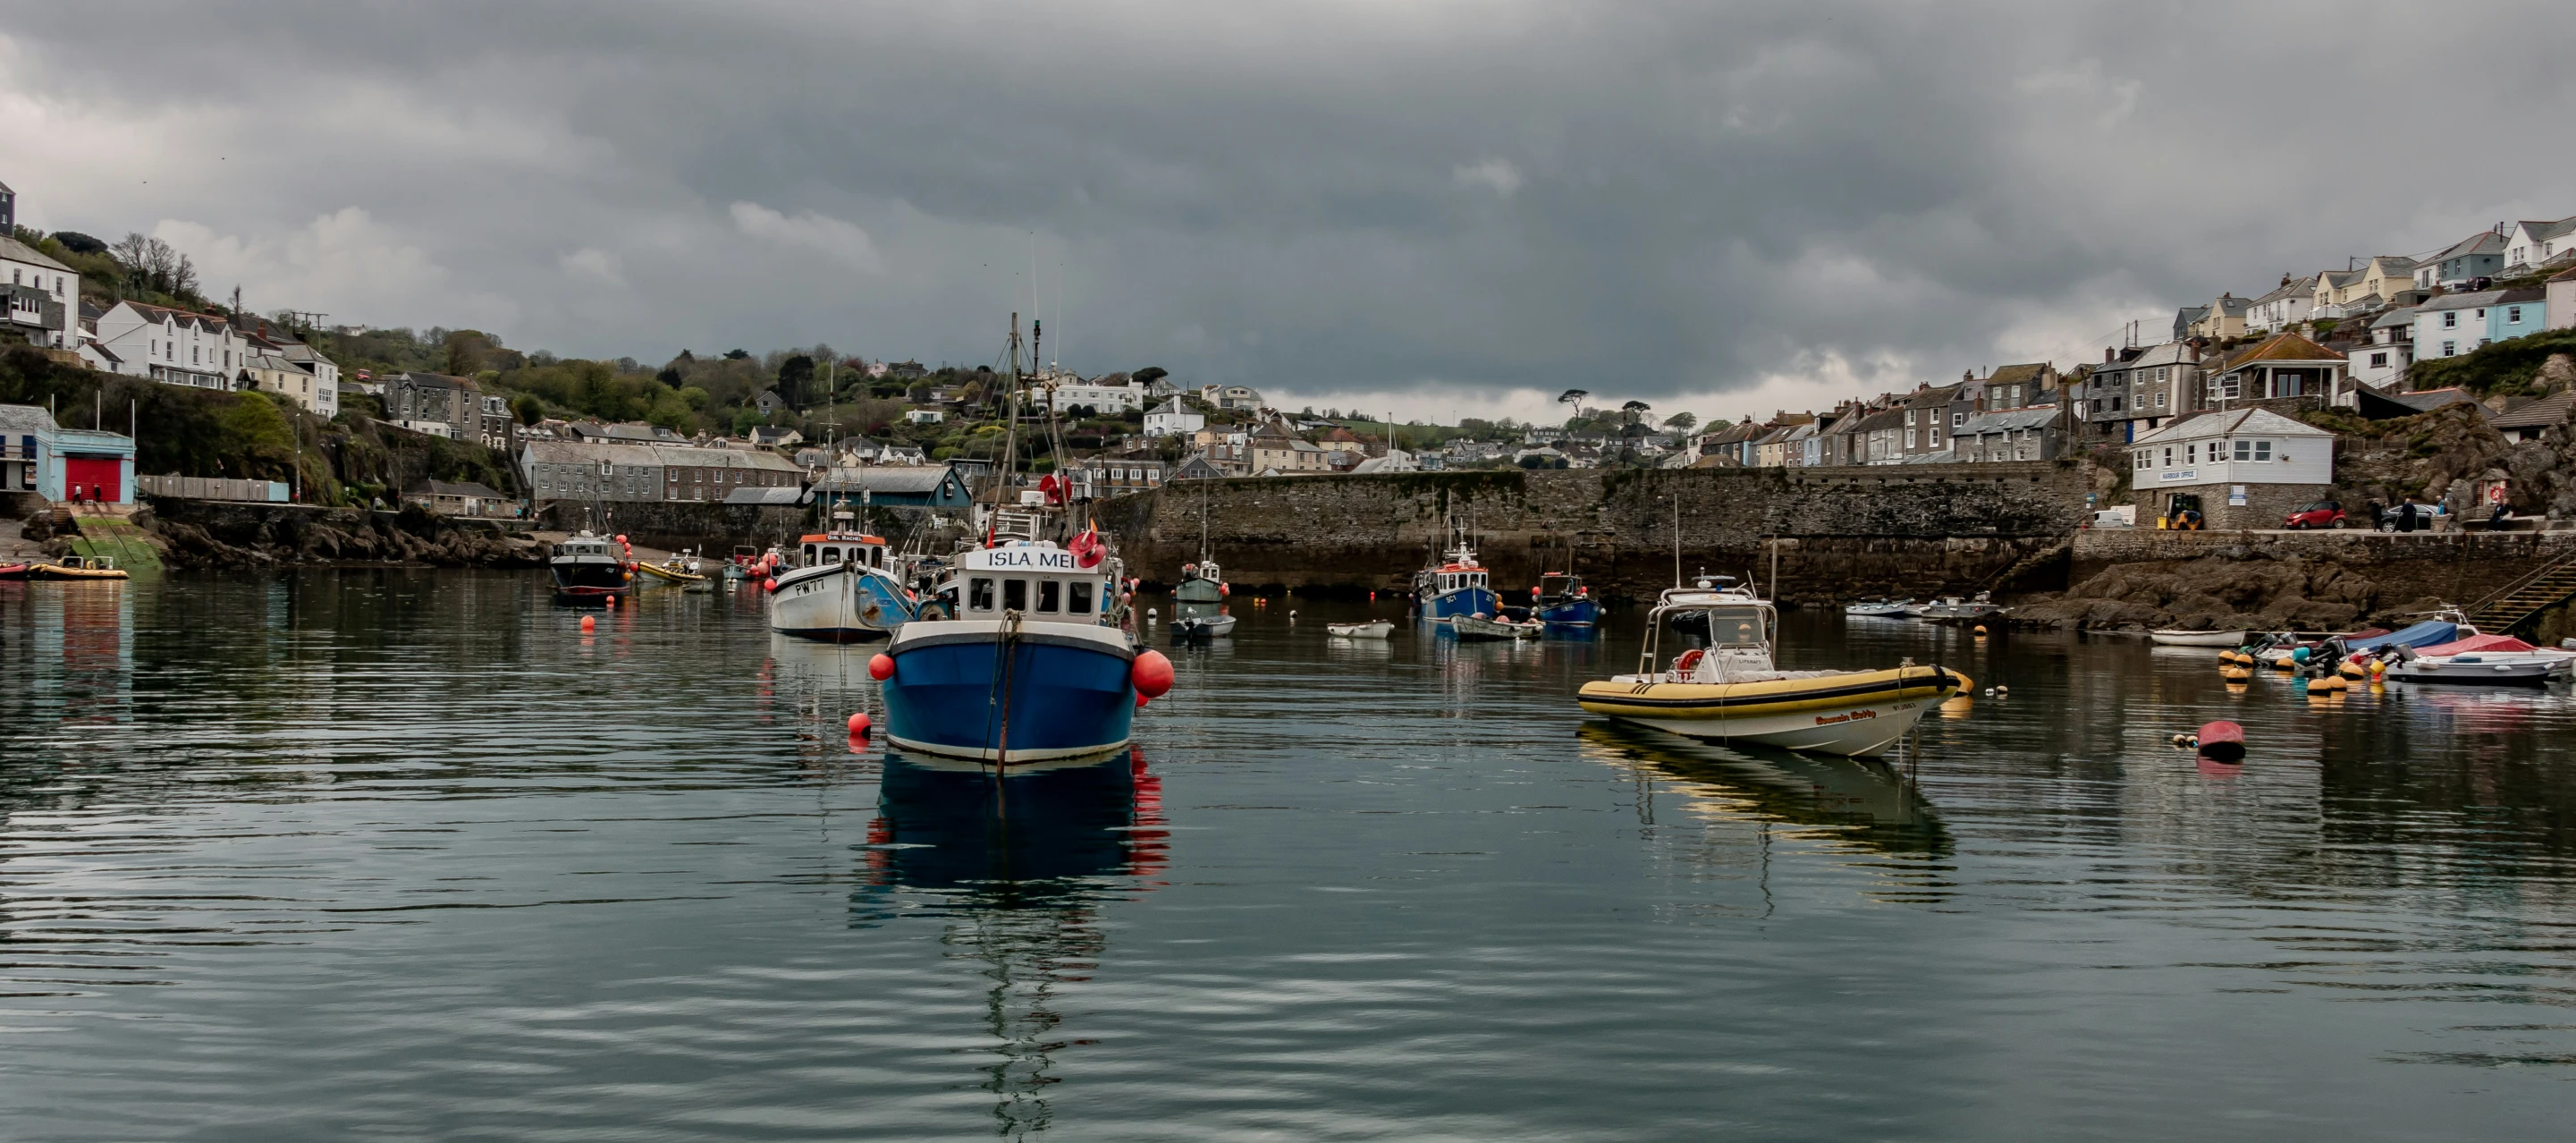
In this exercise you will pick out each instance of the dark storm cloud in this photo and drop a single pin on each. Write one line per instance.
(1315, 198)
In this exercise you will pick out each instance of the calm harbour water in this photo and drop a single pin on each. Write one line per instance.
(363, 854)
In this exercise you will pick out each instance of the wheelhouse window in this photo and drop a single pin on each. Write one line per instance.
(1015, 595)
(1049, 596)
(1078, 597)
(809, 555)
(1734, 627)
(831, 555)
(979, 594)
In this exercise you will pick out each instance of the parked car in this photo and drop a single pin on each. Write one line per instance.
(2322, 514)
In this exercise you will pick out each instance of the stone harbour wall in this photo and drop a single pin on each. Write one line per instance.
(1836, 532)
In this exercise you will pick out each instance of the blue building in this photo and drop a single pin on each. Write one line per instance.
(2455, 324)
(59, 464)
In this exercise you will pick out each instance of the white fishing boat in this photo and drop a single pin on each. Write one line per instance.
(840, 588)
(1731, 688)
(1199, 611)
(1879, 608)
(1373, 629)
(2175, 637)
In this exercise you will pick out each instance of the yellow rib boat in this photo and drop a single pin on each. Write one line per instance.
(1729, 689)
(77, 567)
(675, 570)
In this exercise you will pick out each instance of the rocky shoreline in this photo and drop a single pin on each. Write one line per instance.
(211, 536)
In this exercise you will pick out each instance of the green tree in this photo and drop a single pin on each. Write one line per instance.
(1680, 422)
(528, 408)
(795, 378)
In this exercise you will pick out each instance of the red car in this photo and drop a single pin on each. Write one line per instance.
(2322, 514)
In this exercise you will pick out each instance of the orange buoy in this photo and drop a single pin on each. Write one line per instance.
(881, 666)
(589, 623)
(612, 601)
(621, 538)
(1152, 674)
(859, 724)
(770, 584)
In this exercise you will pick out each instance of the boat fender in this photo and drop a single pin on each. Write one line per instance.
(1225, 589)
(621, 538)
(1140, 700)
(589, 623)
(2002, 691)
(881, 666)
(1152, 674)
(1981, 630)
(770, 585)
(2221, 741)
(1688, 661)
(2300, 655)
(859, 725)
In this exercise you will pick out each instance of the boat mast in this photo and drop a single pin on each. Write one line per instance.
(1011, 422)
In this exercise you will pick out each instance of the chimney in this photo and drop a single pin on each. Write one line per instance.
(2106, 355)
(1967, 375)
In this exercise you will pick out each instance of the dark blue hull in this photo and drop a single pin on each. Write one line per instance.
(1464, 601)
(1067, 697)
(1572, 613)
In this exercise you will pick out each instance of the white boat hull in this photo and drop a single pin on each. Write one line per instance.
(1379, 629)
(835, 605)
(2485, 670)
(2199, 638)
(1196, 627)
(1864, 731)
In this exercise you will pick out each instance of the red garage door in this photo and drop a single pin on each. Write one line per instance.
(94, 479)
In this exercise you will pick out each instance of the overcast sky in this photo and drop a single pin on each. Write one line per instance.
(1430, 207)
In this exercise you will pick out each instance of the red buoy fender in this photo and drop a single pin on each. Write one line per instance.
(1152, 674)
(771, 585)
(2222, 741)
(1140, 700)
(859, 724)
(881, 666)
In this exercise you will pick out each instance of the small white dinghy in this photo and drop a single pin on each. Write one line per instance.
(1492, 627)
(1373, 629)
(2177, 638)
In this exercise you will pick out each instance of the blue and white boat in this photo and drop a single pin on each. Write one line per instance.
(1029, 663)
(1561, 600)
(1455, 586)
(843, 588)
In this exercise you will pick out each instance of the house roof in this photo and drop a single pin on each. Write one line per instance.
(2200, 426)
(435, 381)
(2546, 230)
(2008, 420)
(2281, 347)
(2402, 315)
(25, 418)
(2482, 299)
(2229, 305)
(2547, 411)
(2297, 289)
(2016, 374)
(901, 480)
(17, 251)
(753, 494)
(2482, 242)
(472, 489)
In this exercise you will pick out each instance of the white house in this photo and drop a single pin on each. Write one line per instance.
(2560, 292)
(1173, 418)
(174, 346)
(2382, 360)
(1230, 396)
(2246, 468)
(2283, 307)
(1105, 400)
(2531, 245)
(1395, 460)
(925, 416)
(274, 374)
(42, 306)
(2479, 255)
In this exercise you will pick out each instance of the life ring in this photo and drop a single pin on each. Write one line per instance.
(1688, 662)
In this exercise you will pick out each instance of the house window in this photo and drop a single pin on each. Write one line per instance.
(2168, 456)
(2160, 374)
(2191, 454)
(2450, 319)
(2244, 450)
(2262, 450)
(2450, 349)
(2513, 315)
(2116, 405)
(2379, 361)
(2482, 313)
(2160, 399)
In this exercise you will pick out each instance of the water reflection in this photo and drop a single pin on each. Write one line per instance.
(1856, 804)
(1017, 869)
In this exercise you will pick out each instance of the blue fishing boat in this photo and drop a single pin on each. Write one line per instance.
(1561, 600)
(1035, 666)
(1455, 586)
(843, 588)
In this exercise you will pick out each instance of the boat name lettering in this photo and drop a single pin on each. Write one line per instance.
(1823, 720)
(1038, 558)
